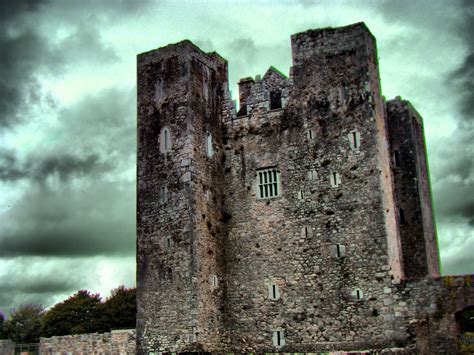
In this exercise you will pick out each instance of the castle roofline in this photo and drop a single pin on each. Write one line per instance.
(399, 101)
(180, 47)
(329, 29)
(272, 69)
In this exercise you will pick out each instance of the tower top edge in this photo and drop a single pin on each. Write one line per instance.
(184, 46)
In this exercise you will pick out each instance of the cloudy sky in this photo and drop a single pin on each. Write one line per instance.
(67, 118)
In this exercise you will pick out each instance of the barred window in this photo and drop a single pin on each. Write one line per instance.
(268, 183)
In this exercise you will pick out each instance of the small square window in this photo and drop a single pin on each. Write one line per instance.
(268, 183)
(278, 338)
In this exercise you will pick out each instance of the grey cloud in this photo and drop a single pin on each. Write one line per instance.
(454, 182)
(40, 168)
(462, 79)
(97, 219)
(27, 52)
(39, 280)
(460, 263)
(245, 48)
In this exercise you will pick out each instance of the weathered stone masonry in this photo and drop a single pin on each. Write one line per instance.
(279, 227)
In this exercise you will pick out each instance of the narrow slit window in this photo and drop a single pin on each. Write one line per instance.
(396, 158)
(268, 183)
(312, 175)
(300, 195)
(273, 292)
(278, 338)
(213, 281)
(165, 140)
(402, 216)
(163, 194)
(335, 179)
(310, 134)
(338, 250)
(354, 139)
(357, 294)
(209, 149)
(169, 243)
(307, 232)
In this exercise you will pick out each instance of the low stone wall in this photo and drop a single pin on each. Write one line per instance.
(117, 342)
(7, 347)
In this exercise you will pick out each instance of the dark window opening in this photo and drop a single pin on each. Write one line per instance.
(402, 217)
(242, 111)
(396, 158)
(274, 291)
(275, 100)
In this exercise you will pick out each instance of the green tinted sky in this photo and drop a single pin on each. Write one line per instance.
(67, 118)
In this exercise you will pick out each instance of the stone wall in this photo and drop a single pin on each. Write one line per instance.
(319, 263)
(412, 190)
(180, 197)
(121, 342)
(7, 347)
(289, 240)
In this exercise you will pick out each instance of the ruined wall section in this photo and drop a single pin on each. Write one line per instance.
(180, 95)
(120, 342)
(412, 190)
(291, 240)
(7, 347)
(429, 306)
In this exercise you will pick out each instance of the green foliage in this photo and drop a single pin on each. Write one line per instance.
(2, 321)
(24, 325)
(120, 309)
(79, 314)
(466, 321)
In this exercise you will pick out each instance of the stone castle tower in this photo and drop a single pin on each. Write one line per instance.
(297, 223)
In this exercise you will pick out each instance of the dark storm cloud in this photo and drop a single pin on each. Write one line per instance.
(463, 77)
(39, 169)
(454, 188)
(97, 219)
(26, 53)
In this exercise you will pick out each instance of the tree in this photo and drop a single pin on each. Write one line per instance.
(120, 309)
(2, 321)
(24, 325)
(78, 314)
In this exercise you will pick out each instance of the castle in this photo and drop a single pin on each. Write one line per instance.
(301, 222)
